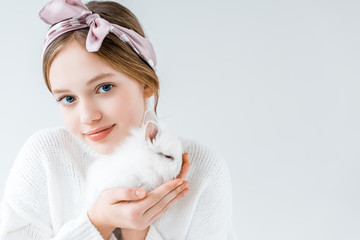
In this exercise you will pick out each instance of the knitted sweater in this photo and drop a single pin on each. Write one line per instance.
(44, 194)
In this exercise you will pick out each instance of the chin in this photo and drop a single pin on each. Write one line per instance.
(109, 144)
(105, 149)
(101, 148)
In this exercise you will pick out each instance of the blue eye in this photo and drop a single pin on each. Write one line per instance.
(105, 87)
(66, 100)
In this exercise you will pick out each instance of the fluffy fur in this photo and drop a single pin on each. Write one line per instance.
(147, 158)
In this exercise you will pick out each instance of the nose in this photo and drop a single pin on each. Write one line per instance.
(89, 112)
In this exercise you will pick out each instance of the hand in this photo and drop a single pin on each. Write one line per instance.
(185, 166)
(128, 209)
(141, 234)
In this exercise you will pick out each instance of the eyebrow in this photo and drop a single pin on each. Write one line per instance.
(92, 80)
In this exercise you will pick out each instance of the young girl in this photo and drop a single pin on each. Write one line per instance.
(101, 69)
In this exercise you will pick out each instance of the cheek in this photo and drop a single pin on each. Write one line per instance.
(70, 122)
(130, 108)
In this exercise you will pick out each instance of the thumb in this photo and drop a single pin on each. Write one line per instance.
(125, 194)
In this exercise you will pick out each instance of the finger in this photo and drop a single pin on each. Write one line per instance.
(165, 201)
(117, 194)
(172, 202)
(185, 166)
(158, 193)
(184, 161)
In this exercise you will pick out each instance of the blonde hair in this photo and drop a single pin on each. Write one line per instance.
(114, 51)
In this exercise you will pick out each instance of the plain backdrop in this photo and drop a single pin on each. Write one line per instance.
(272, 86)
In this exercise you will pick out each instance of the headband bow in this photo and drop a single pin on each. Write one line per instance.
(69, 15)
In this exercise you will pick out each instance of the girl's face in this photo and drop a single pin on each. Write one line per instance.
(98, 103)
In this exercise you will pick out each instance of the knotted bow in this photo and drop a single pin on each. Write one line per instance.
(69, 15)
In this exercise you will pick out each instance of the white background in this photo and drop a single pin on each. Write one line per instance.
(271, 85)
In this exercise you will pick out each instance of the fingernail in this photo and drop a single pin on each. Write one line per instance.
(186, 191)
(180, 182)
(140, 192)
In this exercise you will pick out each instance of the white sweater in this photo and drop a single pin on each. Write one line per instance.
(44, 194)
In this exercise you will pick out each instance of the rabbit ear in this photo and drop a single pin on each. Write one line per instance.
(150, 116)
(151, 131)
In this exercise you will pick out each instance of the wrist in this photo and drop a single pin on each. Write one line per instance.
(104, 229)
(131, 234)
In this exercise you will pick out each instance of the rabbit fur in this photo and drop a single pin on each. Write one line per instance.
(150, 156)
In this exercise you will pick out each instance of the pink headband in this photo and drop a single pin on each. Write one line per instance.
(69, 15)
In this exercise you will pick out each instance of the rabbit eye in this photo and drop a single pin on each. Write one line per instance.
(170, 157)
(167, 156)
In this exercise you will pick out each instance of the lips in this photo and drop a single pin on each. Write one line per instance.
(99, 133)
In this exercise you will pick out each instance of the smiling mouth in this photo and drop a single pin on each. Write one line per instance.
(99, 135)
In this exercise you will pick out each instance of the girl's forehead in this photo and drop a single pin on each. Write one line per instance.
(74, 62)
(74, 54)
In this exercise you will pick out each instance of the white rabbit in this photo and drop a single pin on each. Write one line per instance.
(147, 158)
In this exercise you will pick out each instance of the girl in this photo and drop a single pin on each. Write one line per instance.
(101, 69)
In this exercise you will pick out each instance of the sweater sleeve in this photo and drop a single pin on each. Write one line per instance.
(16, 227)
(153, 234)
(25, 212)
(212, 217)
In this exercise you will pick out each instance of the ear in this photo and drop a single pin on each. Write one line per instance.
(150, 115)
(148, 92)
(151, 131)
